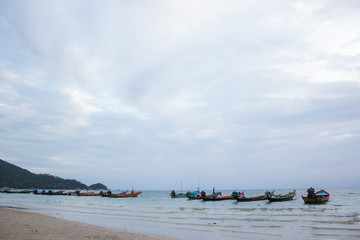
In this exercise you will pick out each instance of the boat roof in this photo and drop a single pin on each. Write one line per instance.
(322, 193)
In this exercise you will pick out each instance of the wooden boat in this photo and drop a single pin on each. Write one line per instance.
(193, 195)
(69, 193)
(198, 196)
(126, 195)
(109, 193)
(50, 192)
(241, 198)
(17, 191)
(173, 194)
(88, 194)
(281, 198)
(37, 192)
(321, 196)
(208, 198)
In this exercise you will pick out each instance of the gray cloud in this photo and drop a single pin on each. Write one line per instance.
(220, 93)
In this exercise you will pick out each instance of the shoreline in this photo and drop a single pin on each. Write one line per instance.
(20, 224)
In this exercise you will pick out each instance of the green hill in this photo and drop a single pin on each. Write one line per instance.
(15, 177)
(98, 186)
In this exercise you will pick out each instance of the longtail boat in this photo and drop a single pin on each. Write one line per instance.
(69, 193)
(193, 195)
(221, 198)
(17, 191)
(173, 194)
(126, 195)
(50, 192)
(88, 194)
(241, 198)
(321, 196)
(109, 193)
(198, 196)
(281, 198)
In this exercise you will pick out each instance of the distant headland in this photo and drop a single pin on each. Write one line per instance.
(15, 177)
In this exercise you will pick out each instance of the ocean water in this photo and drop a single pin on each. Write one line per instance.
(155, 212)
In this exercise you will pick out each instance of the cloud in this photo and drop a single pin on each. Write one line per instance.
(167, 88)
(82, 100)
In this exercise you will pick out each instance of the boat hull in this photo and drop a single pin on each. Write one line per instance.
(179, 195)
(88, 194)
(199, 197)
(250, 199)
(321, 197)
(318, 200)
(48, 192)
(217, 198)
(127, 195)
(288, 197)
(239, 197)
(281, 199)
(16, 191)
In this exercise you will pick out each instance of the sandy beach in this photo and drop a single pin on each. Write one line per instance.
(17, 224)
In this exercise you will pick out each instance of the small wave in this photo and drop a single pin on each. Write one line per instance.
(243, 209)
(194, 229)
(229, 231)
(256, 219)
(199, 209)
(255, 233)
(352, 193)
(271, 226)
(11, 207)
(351, 221)
(178, 218)
(334, 228)
(345, 236)
(354, 215)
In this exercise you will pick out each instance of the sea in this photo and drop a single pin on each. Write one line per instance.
(155, 212)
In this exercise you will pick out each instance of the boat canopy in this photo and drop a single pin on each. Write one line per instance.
(322, 193)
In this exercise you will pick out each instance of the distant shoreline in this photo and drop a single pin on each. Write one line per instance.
(19, 224)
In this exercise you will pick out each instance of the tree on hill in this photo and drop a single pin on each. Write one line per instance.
(98, 186)
(16, 177)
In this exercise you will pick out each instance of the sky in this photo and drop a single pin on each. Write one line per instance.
(241, 94)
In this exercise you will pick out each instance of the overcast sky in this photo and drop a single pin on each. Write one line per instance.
(152, 94)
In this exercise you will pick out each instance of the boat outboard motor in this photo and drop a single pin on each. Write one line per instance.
(173, 194)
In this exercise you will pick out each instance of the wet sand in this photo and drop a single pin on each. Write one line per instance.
(17, 224)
